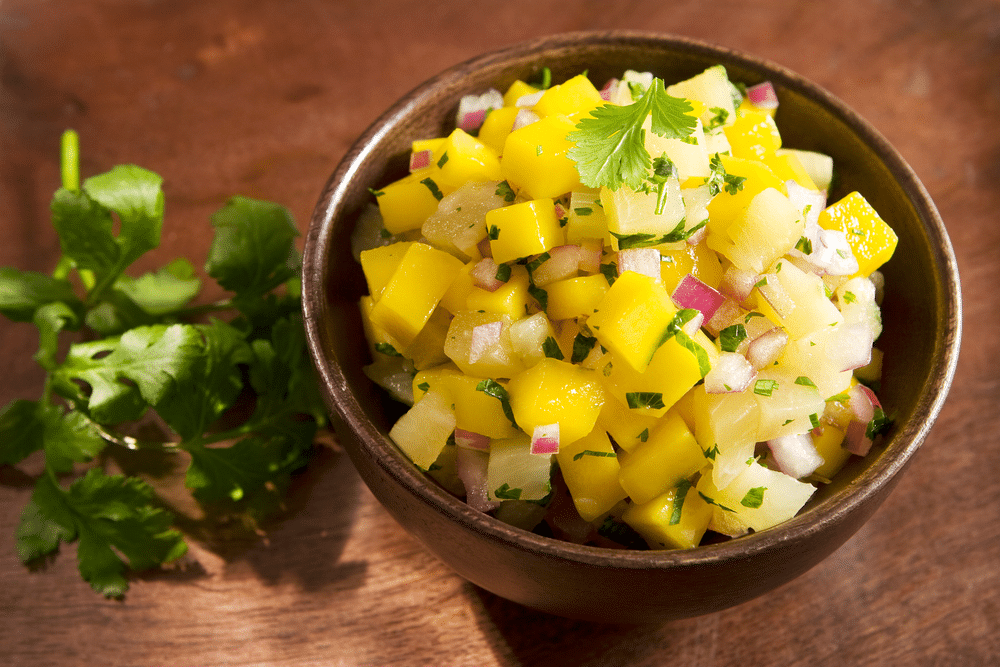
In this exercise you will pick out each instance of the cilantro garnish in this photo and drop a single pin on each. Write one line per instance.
(609, 143)
(591, 452)
(731, 337)
(551, 348)
(582, 345)
(507, 493)
(499, 392)
(433, 187)
(765, 387)
(754, 498)
(503, 273)
(610, 272)
(505, 191)
(146, 350)
(677, 507)
(804, 245)
(720, 180)
(644, 399)
(387, 349)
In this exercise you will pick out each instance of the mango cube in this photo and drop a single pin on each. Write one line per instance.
(422, 277)
(676, 519)
(535, 160)
(872, 241)
(497, 125)
(577, 95)
(511, 299)
(524, 229)
(590, 469)
(669, 456)
(378, 265)
(463, 158)
(556, 392)
(575, 297)
(406, 203)
(753, 135)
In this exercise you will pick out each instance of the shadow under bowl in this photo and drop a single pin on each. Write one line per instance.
(920, 341)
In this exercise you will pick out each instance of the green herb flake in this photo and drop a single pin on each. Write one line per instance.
(804, 381)
(731, 337)
(644, 399)
(498, 391)
(582, 345)
(387, 349)
(539, 295)
(644, 436)
(804, 246)
(712, 501)
(765, 387)
(376, 193)
(814, 420)
(583, 210)
(551, 349)
(433, 187)
(505, 191)
(507, 493)
(610, 272)
(424, 386)
(493, 232)
(503, 272)
(711, 452)
(677, 506)
(754, 498)
(849, 297)
(443, 160)
(591, 452)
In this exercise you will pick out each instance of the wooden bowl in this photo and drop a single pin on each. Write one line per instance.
(921, 311)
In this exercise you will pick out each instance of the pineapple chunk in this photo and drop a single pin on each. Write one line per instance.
(424, 429)
(758, 498)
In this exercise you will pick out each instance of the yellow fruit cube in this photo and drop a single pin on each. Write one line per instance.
(627, 427)
(676, 519)
(496, 127)
(479, 344)
(463, 158)
(524, 229)
(427, 349)
(517, 90)
(379, 340)
(632, 319)
(753, 135)
(577, 95)
(511, 299)
(788, 167)
(556, 392)
(411, 295)
(669, 456)
(829, 444)
(726, 206)
(406, 203)
(535, 160)
(423, 430)
(477, 411)
(590, 469)
(456, 296)
(699, 260)
(575, 297)
(378, 265)
(870, 238)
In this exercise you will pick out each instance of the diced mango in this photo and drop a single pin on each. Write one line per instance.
(422, 277)
(406, 203)
(379, 340)
(632, 319)
(535, 160)
(378, 265)
(669, 456)
(556, 392)
(676, 519)
(590, 469)
(475, 410)
(524, 229)
(497, 125)
(463, 158)
(788, 167)
(577, 95)
(427, 349)
(725, 207)
(872, 241)
(510, 299)
(628, 427)
(575, 297)
(753, 136)
(517, 90)
(829, 444)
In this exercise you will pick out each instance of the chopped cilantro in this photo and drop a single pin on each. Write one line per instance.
(387, 349)
(765, 387)
(804, 246)
(644, 436)
(423, 386)
(583, 210)
(754, 498)
(712, 501)
(582, 345)
(677, 507)
(551, 348)
(591, 452)
(503, 272)
(804, 381)
(610, 272)
(443, 160)
(433, 187)
(504, 190)
(493, 232)
(507, 493)
(719, 180)
(731, 337)
(644, 399)
(849, 297)
(499, 392)
(539, 295)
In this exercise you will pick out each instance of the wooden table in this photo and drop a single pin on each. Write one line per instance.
(263, 99)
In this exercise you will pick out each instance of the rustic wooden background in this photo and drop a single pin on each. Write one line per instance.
(262, 99)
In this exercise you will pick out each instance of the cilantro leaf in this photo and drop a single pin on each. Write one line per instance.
(135, 194)
(610, 143)
(164, 291)
(24, 292)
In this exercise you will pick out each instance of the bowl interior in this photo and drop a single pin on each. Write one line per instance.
(921, 310)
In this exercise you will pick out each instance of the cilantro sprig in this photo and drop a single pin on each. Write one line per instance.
(610, 143)
(123, 354)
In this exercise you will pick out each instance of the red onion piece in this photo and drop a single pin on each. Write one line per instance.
(484, 275)
(472, 120)
(857, 440)
(563, 262)
(471, 440)
(590, 256)
(420, 159)
(795, 455)
(737, 283)
(732, 373)
(862, 403)
(484, 248)
(692, 293)
(484, 338)
(766, 348)
(545, 439)
(471, 465)
(609, 89)
(763, 95)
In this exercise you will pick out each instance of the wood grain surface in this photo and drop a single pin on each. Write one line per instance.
(262, 99)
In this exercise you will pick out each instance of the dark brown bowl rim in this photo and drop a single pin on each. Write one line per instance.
(375, 445)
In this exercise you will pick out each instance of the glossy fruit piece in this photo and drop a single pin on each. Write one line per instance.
(590, 469)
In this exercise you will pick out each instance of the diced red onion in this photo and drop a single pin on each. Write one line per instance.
(698, 236)
(856, 439)
(737, 283)
(726, 314)
(693, 293)
(731, 373)
(645, 261)
(545, 439)
(763, 95)
(472, 120)
(590, 256)
(471, 440)
(472, 109)
(862, 403)
(420, 159)
(471, 466)
(765, 349)
(484, 275)
(484, 247)
(609, 88)
(795, 455)
(484, 338)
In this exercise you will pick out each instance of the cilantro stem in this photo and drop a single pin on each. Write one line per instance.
(70, 160)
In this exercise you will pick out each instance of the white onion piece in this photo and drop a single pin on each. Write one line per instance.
(765, 349)
(545, 439)
(692, 293)
(472, 109)
(832, 255)
(795, 455)
(737, 283)
(484, 275)
(732, 373)
(763, 95)
(698, 236)
(471, 466)
(529, 100)
(645, 261)
(484, 247)
(862, 403)
(563, 262)
(810, 202)
(420, 159)
(471, 440)
(484, 338)
(524, 117)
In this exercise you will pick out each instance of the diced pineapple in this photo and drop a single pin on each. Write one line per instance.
(789, 404)
(712, 88)
(757, 499)
(556, 392)
(753, 136)
(668, 456)
(590, 469)
(524, 229)
(729, 204)
(424, 429)
(688, 155)
(514, 473)
(530, 335)
(676, 519)
(479, 344)
(767, 229)
(458, 224)
(798, 299)
(427, 349)
(726, 428)
(632, 215)
(817, 165)
(585, 219)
